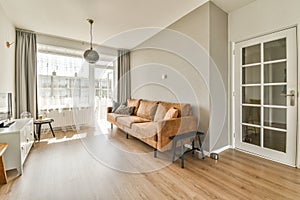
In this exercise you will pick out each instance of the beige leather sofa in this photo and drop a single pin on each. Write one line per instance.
(147, 122)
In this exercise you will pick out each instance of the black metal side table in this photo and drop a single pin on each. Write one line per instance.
(39, 124)
(180, 138)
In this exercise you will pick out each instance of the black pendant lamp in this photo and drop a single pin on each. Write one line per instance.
(90, 55)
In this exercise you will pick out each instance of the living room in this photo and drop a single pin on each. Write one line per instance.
(233, 62)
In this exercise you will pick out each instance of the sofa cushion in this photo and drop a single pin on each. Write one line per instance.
(125, 110)
(172, 113)
(144, 130)
(135, 103)
(184, 109)
(147, 109)
(129, 120)
(112, 117)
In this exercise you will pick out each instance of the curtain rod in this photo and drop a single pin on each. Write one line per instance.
(24, 30)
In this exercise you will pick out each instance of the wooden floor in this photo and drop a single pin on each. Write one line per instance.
(64, 168)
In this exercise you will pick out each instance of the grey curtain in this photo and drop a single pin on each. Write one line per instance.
(26, 73)
(124, 78)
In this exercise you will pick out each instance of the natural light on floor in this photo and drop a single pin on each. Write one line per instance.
(65, 138)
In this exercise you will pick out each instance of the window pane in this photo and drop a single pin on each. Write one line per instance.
(275, 140)
(275, 50)
(251, 135)
(251, 95)
(57, 75)
(275, 117)
(275, 73)
(103, 91)
(272, 95)
(251, 115)
(251, 54)
(251, 75)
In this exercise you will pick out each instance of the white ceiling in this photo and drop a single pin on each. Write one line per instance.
(231, 5)
(67, 18)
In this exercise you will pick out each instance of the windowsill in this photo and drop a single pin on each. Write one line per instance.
(64, 108)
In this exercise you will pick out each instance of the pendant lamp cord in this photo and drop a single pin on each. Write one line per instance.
(91, 31)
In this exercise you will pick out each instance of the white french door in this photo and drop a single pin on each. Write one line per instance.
(265, 88)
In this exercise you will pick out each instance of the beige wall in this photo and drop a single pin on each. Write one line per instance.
(182, 52)
(7, 55)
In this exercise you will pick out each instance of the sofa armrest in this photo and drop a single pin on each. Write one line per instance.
(172, 127)
(109, 109)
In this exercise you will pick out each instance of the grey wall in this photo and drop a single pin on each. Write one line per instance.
(219, 54)
(186, 52)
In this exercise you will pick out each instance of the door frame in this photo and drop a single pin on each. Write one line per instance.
(233, 82)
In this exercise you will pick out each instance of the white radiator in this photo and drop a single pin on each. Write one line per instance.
(71, 117)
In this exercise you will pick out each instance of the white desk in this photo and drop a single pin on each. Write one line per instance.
(20, 138)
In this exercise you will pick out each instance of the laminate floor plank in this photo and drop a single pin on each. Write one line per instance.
(89, 165)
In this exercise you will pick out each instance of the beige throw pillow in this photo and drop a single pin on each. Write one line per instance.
(172, 113)
(147, 109)
(160, 112)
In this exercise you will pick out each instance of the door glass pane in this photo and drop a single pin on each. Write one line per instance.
(251, 75)
(251, 135)
(103, 91)
(275, 140)
(251, 95)
(272, 95)
(251, 54)
(275, 117)
(275, 50)
(275, 73)
(251, 115)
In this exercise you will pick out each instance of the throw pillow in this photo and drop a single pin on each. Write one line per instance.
(135, 103)
(172, 113)
(124, 110)
(160, 113)
(116, 105)
(147, 109)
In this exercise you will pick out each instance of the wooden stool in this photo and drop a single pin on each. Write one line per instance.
(3, 177)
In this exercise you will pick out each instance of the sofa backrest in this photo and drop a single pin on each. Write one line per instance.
(184, 109)
(156, 110)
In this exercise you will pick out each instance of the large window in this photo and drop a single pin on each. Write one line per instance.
(62, 77)
(65, 81)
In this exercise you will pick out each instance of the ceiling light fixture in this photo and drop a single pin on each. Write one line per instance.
(90, 55)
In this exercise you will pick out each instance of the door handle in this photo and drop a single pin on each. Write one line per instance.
(292, 95)
(288, 95)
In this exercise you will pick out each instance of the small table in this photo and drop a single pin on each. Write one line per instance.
(181, 138)
(3, 177)
(39, 124)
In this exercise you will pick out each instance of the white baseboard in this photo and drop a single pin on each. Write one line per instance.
(222, 149)
(206, 153)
